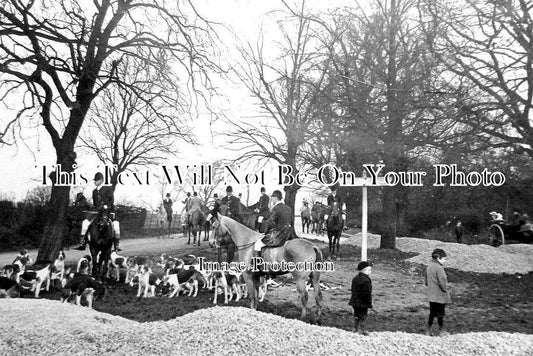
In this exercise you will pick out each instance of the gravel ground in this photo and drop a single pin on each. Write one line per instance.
(65, 329)
(511, 259)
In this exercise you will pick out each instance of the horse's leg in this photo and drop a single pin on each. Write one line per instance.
(315, 281)
(252, 283)
(189, 234)
(304, 296)
(331, 241)
(337, 243)
(199, 232)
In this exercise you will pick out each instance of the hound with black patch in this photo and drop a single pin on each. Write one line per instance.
(83, 286)
(35, 279)
(58, 269)
(116, 262)
(182, 280)
(9, 288)
(85, 265)
(147, 282)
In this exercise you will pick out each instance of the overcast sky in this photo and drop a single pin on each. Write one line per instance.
(22, 164)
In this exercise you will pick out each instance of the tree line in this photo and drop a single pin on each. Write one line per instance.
(406, 83)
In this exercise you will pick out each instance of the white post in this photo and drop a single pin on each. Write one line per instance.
(364, 222)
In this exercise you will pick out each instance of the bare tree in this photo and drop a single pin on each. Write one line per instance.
(138, 127)
(286, 89)
(381, 104)
(58, 56)
(487, 48)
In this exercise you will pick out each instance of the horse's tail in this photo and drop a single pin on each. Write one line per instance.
(318, 253)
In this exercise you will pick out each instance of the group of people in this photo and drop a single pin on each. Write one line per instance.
(438, 294)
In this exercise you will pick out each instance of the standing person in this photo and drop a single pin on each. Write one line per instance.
(262, 208)
(167, 205)
(361, 299)
(459, 231)
(437, 292)
(102, 199)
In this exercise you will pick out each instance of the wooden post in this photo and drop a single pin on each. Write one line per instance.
(364, 221)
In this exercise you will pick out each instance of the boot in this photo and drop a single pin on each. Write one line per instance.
(428, 331)
(83, 244)
(117, 245)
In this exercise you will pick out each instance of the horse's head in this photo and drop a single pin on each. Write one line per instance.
(223, 209)
(222, 234)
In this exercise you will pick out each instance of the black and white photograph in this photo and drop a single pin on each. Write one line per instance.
(285, 177)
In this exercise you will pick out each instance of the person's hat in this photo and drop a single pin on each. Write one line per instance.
(229, 189)
(215, 195)
(168, 194)
(98, 176)
(277, 193)
(362, 265)
(263, 189)
(438, 252)
(333, 188)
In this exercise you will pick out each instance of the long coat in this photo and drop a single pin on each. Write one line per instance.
(437, 283)
(332, 199)
(104, 196)
(361, 291)
(280, 217)
(262, 205)
(233, 204)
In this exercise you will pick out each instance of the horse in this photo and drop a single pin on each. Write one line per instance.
(163, 219)
(196, 223)
(100, 244)
(297, 251)
(334, 226)
(305, 214)
(317, 215)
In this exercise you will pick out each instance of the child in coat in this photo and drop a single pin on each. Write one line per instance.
(361, 298)
(437, 292)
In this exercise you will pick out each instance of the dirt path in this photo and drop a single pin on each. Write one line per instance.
(130, 247)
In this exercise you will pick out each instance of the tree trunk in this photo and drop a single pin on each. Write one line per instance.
(290, 198)
(389, 212)
(55, 230)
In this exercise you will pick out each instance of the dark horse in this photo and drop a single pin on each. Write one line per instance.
(100, 244)
(334, 226)
(317, 215)
(297, 251)
(196, 224)
(305, 214)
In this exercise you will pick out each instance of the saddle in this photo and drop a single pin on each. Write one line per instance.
(276, 238)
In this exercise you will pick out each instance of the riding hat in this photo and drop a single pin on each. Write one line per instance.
(215, 195)
(98, 176)
(277, 193)
(263, 189)
(438, 252)
(229, 189)
(362, 265)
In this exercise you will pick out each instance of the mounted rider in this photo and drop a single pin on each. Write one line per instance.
(262, 207)
(167, 205)
(232, 202)
(103, 200)
(279, 227)
(193, 204)
(335, 198)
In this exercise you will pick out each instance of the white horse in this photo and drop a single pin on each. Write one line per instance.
(162, 222)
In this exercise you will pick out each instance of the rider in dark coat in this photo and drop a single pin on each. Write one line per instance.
(262, 207)
(103, 199)
(279, 227)
(233, 204)
(333, 198)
